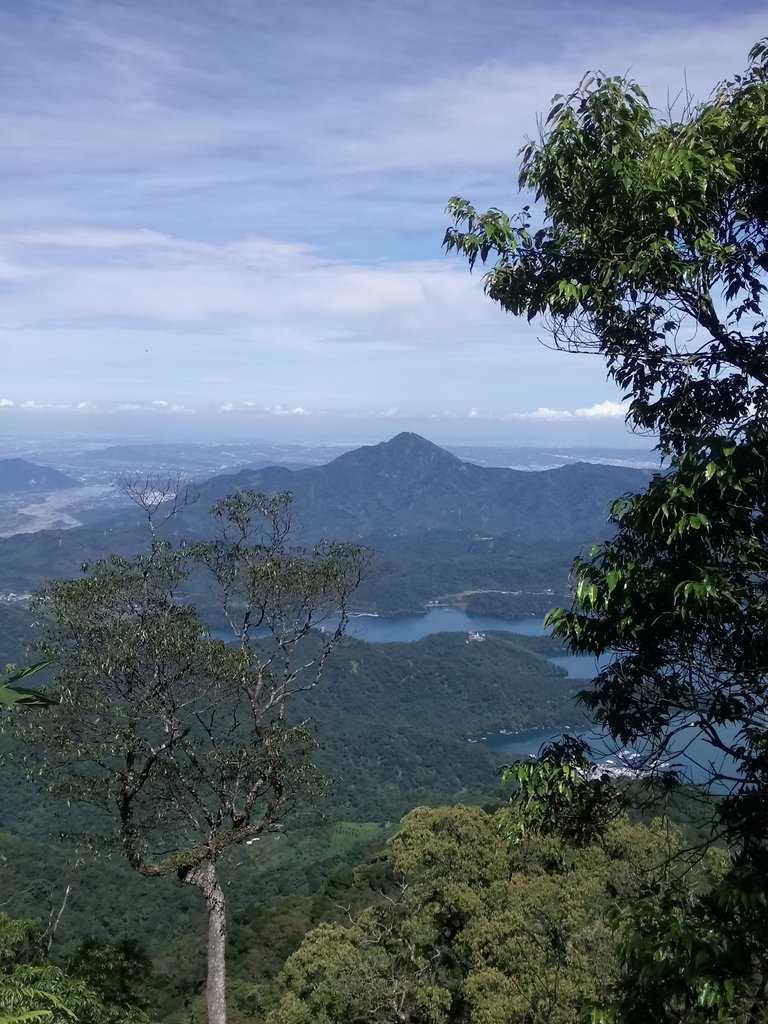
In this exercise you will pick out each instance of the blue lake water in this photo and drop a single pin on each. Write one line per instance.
(689, 754)
(578, 666)
(376, 629)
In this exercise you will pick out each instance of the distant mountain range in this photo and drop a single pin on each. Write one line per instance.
(491, 540)
(409, 485)
(19, 476)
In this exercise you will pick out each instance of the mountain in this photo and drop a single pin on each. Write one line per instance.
(20, 476)
(491, 540)
(409, 485)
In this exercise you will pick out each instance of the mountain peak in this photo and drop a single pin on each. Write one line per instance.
(410, 442)
(401, 449)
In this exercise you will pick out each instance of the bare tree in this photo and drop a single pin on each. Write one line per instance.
(159, 498)
(186, 742)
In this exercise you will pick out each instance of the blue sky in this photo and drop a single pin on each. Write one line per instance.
(224, 219)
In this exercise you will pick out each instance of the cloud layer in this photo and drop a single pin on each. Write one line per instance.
(234, 207)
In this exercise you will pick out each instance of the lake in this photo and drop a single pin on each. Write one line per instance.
(396, 629)
(690, 753)
(374, 629)
(379, 629)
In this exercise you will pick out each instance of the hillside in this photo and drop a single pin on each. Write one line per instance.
(18, 476)
(394, 719)
(393, 722)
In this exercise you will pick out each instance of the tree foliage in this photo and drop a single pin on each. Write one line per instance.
(562, 793)
(481, 926)
(12, 693)
(652, 253)
(652, 249)
(100, 985)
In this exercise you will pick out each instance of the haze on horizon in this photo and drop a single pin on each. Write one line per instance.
(224, 220)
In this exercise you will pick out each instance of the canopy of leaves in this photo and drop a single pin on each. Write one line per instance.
(480, 926)
(100, 985)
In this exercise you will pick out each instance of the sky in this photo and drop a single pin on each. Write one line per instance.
(224, 219)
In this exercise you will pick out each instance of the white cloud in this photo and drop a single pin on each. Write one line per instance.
(265, 235)
(253, 408)
(600, 411)
(478, 114)
(30, 405)
(92, 238)
(159, 405)
(278, 410)
(176, 281)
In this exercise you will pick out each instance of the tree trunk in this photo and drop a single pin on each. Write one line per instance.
(204, 878)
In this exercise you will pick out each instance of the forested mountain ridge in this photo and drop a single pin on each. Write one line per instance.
(393, 721)
(439, 526)
(409, 484)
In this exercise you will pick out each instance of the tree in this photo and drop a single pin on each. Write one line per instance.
(652, 254)
(480, 927)
(84, 992)
(183, 742)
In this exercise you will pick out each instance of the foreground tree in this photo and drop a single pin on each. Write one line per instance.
(652, 254)
(477, 927)
(184, 742)
(100, 985)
